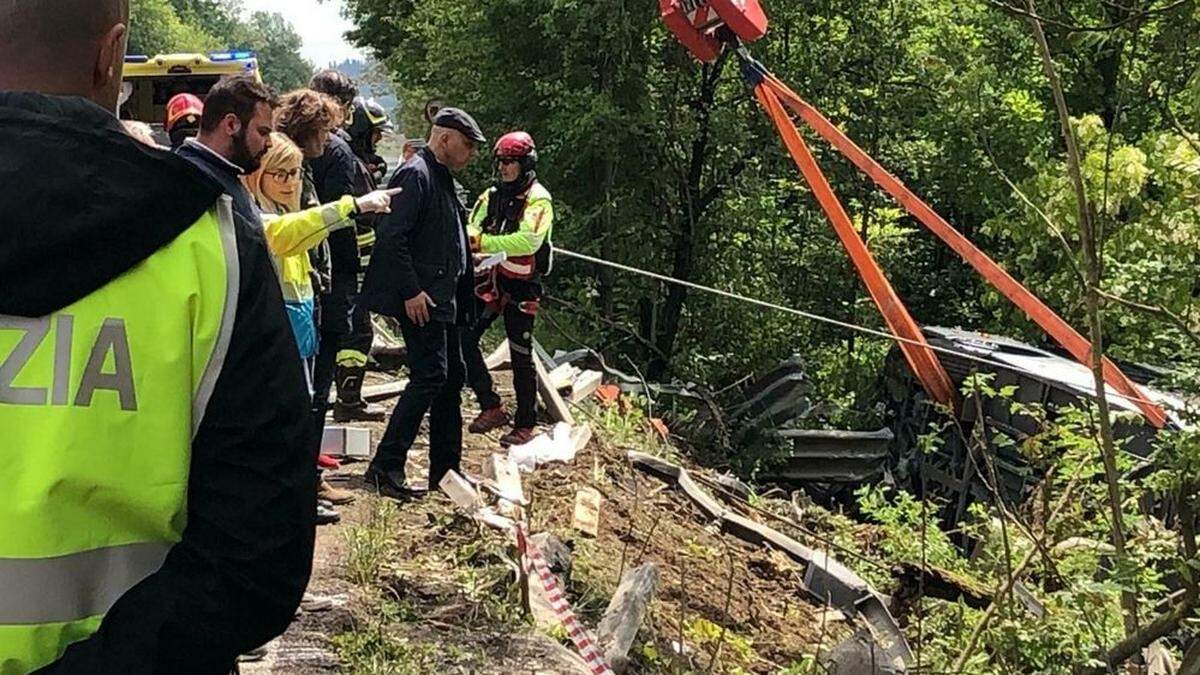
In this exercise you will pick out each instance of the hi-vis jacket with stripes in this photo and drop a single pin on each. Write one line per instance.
(157, 509)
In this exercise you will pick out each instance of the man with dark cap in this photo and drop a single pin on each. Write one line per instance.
(421, 275)
(157, 513)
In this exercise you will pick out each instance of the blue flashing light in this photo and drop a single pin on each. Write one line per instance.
(231, 56)
(136, 58)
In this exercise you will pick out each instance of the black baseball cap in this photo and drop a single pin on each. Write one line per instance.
(453, 118)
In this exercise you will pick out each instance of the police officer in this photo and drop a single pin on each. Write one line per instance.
(420, 274)
(156, 515)
(515, 217)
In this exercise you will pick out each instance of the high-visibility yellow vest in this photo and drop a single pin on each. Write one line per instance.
(99, 403)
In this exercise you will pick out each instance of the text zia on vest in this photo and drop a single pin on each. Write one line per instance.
(112, 338)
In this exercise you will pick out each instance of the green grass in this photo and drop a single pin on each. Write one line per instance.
(368, 544)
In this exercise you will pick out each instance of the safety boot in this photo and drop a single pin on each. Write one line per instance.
(350, 406)
(519, 436)
(492, 418)
(357, 412)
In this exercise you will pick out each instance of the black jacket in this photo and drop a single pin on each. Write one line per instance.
(226, 174)
(335, 174)
(421, 244)
(83, 203)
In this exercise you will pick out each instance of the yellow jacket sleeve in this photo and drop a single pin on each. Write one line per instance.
(475, 222)
(294, 233)
(536, 224)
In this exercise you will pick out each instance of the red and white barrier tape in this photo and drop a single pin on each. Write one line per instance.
(535, 566)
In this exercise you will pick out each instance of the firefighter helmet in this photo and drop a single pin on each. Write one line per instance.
(184, 108)
(368, 116)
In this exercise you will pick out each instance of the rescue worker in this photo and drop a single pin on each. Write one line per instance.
(368, 123)
(515, 217)
(366, 127)
(157, 517)
(335, 174)
(420, 275)
(183, 118)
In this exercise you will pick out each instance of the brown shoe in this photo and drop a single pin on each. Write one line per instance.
(333, 495)
(492, 418)
(518, 437)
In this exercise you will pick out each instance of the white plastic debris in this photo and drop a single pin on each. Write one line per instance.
(555, 446)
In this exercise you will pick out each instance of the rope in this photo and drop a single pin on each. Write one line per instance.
(812, 316)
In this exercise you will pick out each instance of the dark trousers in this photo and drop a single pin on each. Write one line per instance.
(435, 386)
(324, 364)
(518, 327)
(362, 333)
(335, 325)
(350, 376)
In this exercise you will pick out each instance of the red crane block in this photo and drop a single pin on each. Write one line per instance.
(696, 23)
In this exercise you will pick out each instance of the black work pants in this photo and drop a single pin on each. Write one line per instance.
(362, 333)
(518, 327)
(435, 386)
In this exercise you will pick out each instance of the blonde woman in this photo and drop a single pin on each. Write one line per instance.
(291, 233)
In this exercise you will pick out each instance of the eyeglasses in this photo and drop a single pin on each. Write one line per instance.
(284, 176)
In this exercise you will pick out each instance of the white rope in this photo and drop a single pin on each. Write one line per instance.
(815, 317)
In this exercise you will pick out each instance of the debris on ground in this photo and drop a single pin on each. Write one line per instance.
(439, 592)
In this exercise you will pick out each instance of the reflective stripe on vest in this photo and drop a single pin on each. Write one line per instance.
(99, 403)
(519, 267)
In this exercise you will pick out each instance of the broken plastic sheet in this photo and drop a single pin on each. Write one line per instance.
(555, 446)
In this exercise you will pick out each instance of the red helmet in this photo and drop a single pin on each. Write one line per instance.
(184, 107)
(516, 144)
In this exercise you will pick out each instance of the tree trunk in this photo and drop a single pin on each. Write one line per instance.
(1091, 257)
(693, 201)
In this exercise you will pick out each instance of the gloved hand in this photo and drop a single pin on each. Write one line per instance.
(379, 201)
(379, 169)
(476, 242)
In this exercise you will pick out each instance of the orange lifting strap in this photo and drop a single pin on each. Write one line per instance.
(774, 95)
(920, 358)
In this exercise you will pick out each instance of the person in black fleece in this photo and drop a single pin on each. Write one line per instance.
(99, 204)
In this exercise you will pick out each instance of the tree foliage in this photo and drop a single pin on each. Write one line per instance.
(174, 26)
(659, 162)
